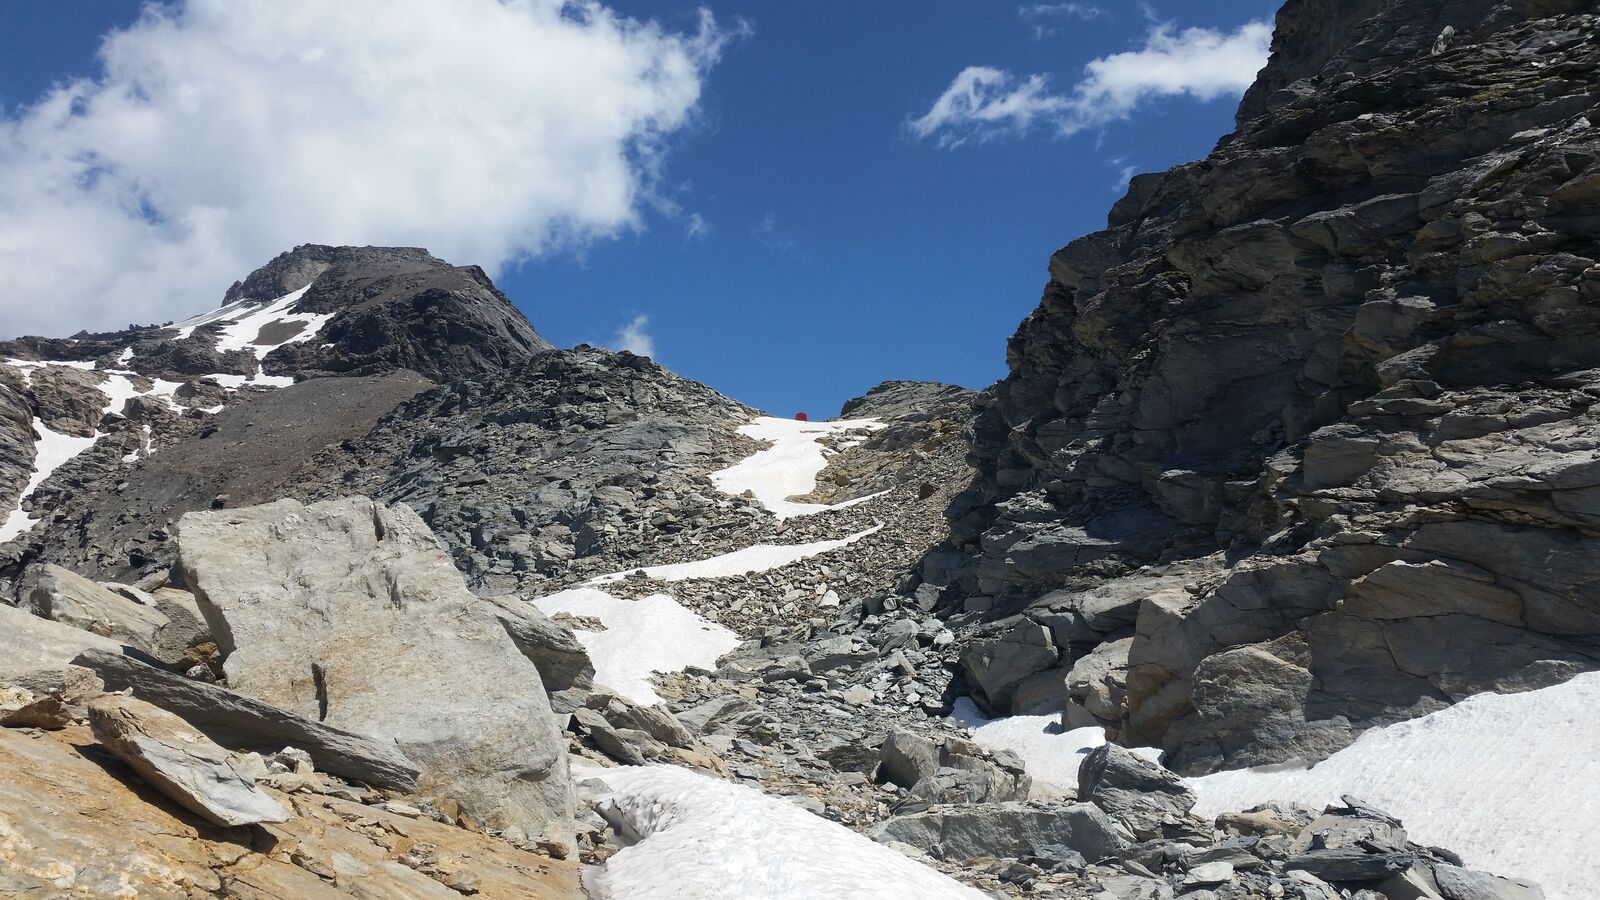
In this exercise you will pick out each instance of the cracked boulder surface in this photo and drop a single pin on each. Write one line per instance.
(78, 822)
(1312, 421)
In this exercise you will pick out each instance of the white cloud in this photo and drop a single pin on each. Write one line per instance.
(1125, 173)
(633, 338)
(983, 103)
(1048, 18)
(221, 132)
(697, 226)
(770, 235)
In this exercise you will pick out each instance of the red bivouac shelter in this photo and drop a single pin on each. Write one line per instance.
(801, 417)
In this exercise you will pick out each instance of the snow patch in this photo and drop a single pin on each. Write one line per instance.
(699, 837)
(51, 450)
(245, 321)
(244, 326)
(641, 637)
(241, 333)
(27, 365)
(789, 467)
(756, 558)
(1050, 754)
(1509, 781)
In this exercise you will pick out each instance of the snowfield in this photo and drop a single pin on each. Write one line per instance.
(698, 837)
(1509, 781)
(641, 637)
(789, 467)
(756, 558)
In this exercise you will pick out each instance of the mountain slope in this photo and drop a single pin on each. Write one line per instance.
(90, 416)
(1333, 383)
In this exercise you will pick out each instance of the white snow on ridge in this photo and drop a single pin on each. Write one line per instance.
(700, 837)
(755, 558)
(50, 452)
(1509, 781)
(244, 321)
(28, 365)
(787, 468)
(241, 334)
(642, 637)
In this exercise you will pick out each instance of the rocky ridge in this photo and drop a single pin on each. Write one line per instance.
(1300, 445)
(239, 396)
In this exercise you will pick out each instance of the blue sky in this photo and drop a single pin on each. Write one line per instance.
(801, 242)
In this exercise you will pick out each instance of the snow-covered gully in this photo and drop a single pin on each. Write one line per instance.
(690, 835)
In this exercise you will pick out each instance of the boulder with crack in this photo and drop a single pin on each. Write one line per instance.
(350, 613)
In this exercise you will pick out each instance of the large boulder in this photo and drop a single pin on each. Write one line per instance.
(35, 651)
(65, 597)
(994, 666)
(350, 613)
(950, 770)
(242, 723)
(1150, 800)
(1004, 829)
(180, 762)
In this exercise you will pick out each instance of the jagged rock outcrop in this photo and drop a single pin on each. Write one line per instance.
(1336, 380)
(349, 612)
(392, 308)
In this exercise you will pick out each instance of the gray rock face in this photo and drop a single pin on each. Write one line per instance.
(1456, 883)
(577, 462)
(1004, 829)
(66, 400)
(906, 400)
(995, 666)
(61, 596)
(950, 770)
(349, 613)
(240, 722)
(1342, 373)
(30, 645)
(564, 666)
(394, 308)
(16, 437)
(180, 762)
(1150, 800)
